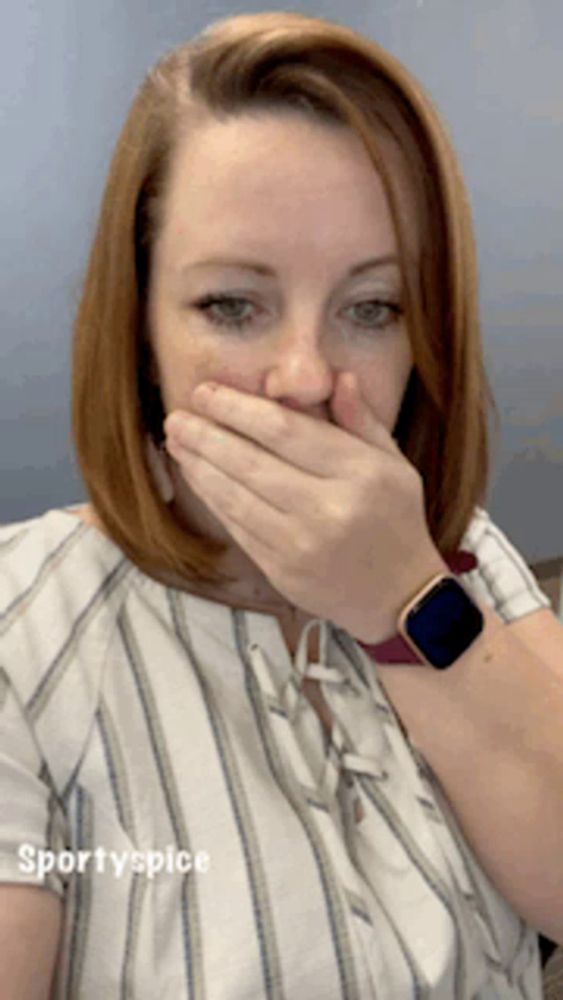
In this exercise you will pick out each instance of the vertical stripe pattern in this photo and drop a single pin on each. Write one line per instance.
(141, 726)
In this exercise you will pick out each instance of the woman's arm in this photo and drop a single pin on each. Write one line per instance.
(491, 729)
(30, 924)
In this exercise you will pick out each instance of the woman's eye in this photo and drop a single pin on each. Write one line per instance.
(378, 315)
(207, 304)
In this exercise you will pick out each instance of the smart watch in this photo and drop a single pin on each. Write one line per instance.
(441, 622)
(437, 625)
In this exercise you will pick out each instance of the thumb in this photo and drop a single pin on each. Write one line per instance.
(352, 412)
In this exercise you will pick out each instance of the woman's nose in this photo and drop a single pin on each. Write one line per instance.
(301, 374)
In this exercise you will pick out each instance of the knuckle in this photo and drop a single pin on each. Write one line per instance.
(278, 425)
(230, 505)
(336, 510)
(240, 512)
(213, 436)
(253, 470)
(201, 437)
(305, 547)
(237, 507)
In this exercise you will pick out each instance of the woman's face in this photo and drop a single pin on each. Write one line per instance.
(302, 202)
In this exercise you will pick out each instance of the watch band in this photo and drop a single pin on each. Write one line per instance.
(396, 649)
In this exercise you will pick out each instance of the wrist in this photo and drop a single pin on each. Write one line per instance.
(389, 645)
(384, 630)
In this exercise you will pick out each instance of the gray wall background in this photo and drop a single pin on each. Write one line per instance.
(68, 74)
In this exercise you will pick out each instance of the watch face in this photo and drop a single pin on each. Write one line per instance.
(444, 623)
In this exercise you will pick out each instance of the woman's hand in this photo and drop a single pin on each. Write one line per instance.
(333, 515)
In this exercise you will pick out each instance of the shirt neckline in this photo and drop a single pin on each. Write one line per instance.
(146, 579)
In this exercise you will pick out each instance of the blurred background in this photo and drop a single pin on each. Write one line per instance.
(68, 74)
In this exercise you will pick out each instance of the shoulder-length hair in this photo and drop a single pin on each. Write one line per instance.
(276, 61)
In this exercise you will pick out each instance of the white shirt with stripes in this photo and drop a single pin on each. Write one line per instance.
(137, 718)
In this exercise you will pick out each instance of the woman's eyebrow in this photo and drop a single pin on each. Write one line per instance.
(264, 269)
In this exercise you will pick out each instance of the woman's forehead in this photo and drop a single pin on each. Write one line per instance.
(221, 186)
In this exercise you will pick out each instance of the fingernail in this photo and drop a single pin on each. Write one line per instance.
(173, 424)
(204, 390)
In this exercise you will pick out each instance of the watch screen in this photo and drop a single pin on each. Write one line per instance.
(444, 630)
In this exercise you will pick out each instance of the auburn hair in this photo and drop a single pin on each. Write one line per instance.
(242, 64)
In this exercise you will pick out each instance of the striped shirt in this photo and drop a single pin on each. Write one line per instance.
(138, 718)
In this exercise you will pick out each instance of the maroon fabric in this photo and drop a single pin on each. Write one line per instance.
(396, 650)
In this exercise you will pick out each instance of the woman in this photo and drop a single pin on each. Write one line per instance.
(193, 661)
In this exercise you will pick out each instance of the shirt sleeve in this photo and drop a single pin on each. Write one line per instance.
(32, 824)
(503, 579)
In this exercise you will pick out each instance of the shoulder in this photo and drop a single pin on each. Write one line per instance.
(502, 579)
(61, 587)
(49, 563)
